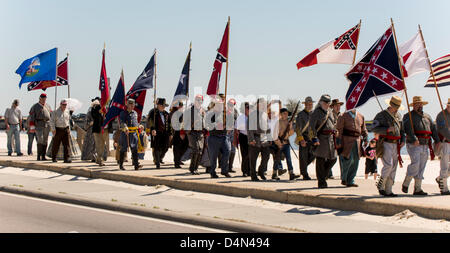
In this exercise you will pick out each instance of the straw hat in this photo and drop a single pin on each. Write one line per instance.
(418, 99)
(396, 102)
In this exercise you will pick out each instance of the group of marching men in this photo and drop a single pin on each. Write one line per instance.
(211, 136)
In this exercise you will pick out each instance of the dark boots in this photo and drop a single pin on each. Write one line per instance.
(121, 159)
(41, 149)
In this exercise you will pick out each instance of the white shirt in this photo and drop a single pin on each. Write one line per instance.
(14, 115)
(241, 124)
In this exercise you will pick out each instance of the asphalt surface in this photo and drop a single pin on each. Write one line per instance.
(19, 214)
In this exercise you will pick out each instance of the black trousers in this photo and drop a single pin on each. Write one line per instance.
(179, 148)
(306, 158)
(323, 167)
(62, 135)
(245, 163)
(253, 156)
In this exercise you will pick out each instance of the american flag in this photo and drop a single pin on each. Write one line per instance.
(441, 69)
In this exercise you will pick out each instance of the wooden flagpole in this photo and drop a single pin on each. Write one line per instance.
(356, 49)
(400, 62)
(226, 76)
(432, 74)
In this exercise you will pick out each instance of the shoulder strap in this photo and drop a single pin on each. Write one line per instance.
(325, 121)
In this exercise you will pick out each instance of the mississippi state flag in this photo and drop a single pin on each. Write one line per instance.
(377, 73)
(340, 50)
(414, 56)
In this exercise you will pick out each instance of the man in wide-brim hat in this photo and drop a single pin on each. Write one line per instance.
(417, 143)
(40, 116)
(442, 123)
(322, 125)
(389, 126)
(158, 123)
(303, 139)
(336, 108)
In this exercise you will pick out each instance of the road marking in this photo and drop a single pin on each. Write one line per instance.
(117, 213)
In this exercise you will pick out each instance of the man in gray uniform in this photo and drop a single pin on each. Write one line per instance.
(418, 142)
(322, 125)
(444, 135)
(40, 116)
(389, 126)
(129, 135)
(194, 125)
(303, 139)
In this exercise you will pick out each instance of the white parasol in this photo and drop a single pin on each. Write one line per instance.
(73, 104)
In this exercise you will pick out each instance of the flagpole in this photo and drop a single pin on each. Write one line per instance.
(377, 100)
(56, 88)
(154, 95)
(189, 72)
(226, 75)
(434, 77)
(68, 83)
(401, 72)
(357, 39)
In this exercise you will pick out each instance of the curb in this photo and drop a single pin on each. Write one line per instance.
(215, 223)
(370, 205)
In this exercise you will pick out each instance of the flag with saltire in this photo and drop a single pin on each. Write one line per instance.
(221, 57)
(377, 73)
(341, 50)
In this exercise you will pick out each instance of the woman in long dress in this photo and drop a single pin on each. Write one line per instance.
(88, 150)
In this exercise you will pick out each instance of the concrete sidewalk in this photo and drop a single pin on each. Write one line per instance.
(363, 199)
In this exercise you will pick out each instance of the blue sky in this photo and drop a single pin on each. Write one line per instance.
(267, 39)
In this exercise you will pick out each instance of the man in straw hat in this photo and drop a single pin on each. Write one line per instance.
(303, 139)
(160, 130)
(129, 135)
(322, 125)
(444, 135)
(40, 117)
(389, 126)
(418, 142)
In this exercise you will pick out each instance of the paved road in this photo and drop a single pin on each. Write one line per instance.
(246, 210)
(19, 214)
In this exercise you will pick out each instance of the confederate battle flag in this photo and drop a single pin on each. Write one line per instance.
(377, 73)
(340, 50)
(222, 56)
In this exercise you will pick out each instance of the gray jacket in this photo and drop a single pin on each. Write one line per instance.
(442, 128)
(300, 123)
(383, 120)
(421, 123)
(259, 132)
(326, 149)
(40, 115)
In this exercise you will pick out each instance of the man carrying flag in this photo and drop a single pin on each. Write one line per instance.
(340, 50)
(379, 73)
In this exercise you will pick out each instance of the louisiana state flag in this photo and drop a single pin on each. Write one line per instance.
(41, 67)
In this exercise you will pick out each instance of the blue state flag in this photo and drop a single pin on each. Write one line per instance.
(41, 67)
(182, 91)
(145, 80)
(117, 103)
